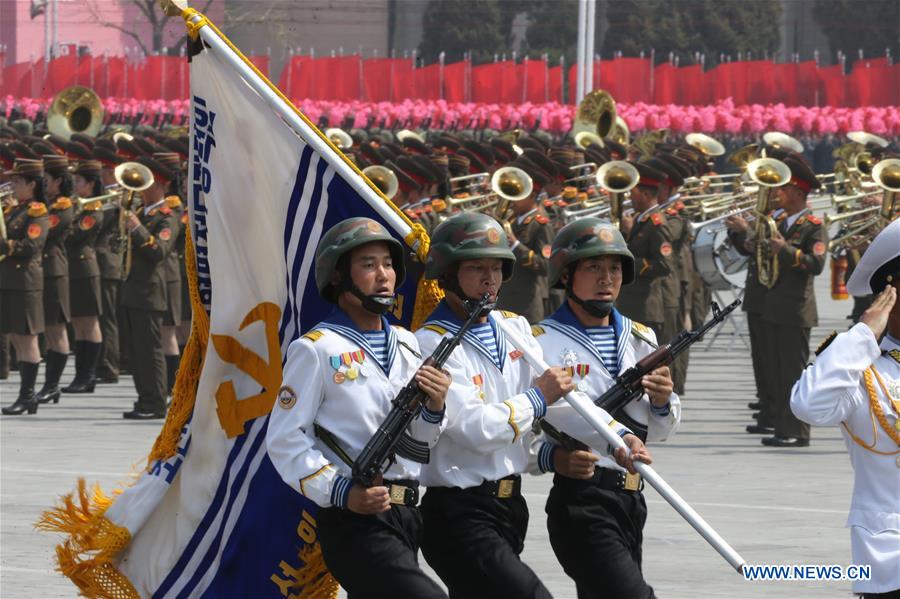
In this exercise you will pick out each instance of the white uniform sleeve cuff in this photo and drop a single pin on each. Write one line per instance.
(340, 490)
(432, 417)
(537, 402)
(545, 456)
(661, 410)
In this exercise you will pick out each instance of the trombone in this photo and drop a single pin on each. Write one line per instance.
(106, 197)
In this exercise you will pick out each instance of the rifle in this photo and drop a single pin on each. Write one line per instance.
(628, 384)
(368, 467)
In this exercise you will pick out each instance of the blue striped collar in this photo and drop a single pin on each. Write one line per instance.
(565, 321)
(445, 317)
(340, 323)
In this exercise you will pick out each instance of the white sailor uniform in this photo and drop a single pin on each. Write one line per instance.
(833, 391)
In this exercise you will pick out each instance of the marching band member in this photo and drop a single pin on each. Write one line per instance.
(855, 383)
(57, 188)
(21, 277)
(339, 381)
(474, 515)
(596, 511)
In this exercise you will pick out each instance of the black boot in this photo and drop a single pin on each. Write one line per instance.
(171, 372)
(90, 355)
(26, 401)
(78, 350)
(56, 363)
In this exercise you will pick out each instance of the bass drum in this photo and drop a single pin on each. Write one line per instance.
(717, 261)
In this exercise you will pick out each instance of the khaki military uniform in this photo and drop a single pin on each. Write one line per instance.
(144, 301)
(650, 242)
(21, 272)
(109, 260)
(790, 312)
(526, 293)
(60, 215)
(84, 272)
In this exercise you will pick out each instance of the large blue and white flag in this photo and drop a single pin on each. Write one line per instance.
(214, 519)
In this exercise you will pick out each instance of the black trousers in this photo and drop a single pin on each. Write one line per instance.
(473, 542)
(596, 535)
(376, 556)
(145, 355)
(763, 373)
(108, 365)
(789, 346)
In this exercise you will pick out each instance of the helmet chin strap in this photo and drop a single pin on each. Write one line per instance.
(374, 304)
(469, 303)
(596, 308)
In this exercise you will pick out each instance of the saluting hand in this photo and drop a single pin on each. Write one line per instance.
(658, 386)
(554, 383)
(368, 500)
(574, 464)
(876, 317)
(435, 383)
(638, 452)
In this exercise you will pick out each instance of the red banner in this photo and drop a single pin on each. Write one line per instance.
(455, 81)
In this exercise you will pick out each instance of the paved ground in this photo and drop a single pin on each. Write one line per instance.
(773, 505)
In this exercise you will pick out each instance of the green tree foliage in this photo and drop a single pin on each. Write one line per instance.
(872, 25)
(458, 26)
(711, 27)
(553, 29)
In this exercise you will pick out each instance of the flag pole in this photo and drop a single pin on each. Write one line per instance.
(198, 24)
(586, 410)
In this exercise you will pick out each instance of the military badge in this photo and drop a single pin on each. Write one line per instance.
(54, 220)
(516, 354)
(819, 248)
(165, 234)
(605, 235)
(665, 249)
(546, 251)
(287, 397)
(568, 357)
(493, 236)
(86, 222)
(34, 231)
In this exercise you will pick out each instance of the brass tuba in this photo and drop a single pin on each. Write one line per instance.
(76, 109)
(596, 114)
(767, 173)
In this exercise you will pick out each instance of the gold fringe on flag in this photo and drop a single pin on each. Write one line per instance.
(428, 293)
(86, 557)
(317, 582)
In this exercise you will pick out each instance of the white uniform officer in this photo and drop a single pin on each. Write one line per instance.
(855, 384)
(596, 511)
(339, 380)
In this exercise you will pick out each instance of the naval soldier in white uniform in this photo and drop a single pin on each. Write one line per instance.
(854, 383)
(339, 380)
(596, 511)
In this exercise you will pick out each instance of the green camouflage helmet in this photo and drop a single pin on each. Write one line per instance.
(468, 236)
(343, 237)
(586, 238)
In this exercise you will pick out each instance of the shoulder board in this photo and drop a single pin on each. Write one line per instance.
(93, 206)
(814, 219)
(537, 330)
(165, 210)
(508, 314)
(173, 202)
(657, 218)
(435, 328)
(671, 211)
(62, 203)
(36, 209)
(642, 332)
(542, 219)
(314, 335)
(826, 343)
(398, 327)
(528, 219)
(801, 220)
